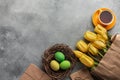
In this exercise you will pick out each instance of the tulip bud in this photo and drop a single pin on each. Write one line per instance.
(77, 53)
(86, 60)
(99, 29)
(82, 46)
(93, 50)
(104, 35)
(99, 37)
(90, 36)
(99, 44)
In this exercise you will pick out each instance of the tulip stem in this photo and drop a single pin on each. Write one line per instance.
(92, 68)
(100, 54)
(105, 50)
(108, 44)
(96, 63)
(93, 57)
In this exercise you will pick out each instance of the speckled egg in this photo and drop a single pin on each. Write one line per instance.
(64, 65)
(59, 56)
(54, 65)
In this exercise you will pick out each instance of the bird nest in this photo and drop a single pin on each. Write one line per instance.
(49, 55)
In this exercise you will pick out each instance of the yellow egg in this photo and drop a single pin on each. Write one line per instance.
(54, 65)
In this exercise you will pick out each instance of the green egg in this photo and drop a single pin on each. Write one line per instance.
(64, 65)
(59, 56)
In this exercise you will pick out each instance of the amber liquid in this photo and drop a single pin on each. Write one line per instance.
(106, 17)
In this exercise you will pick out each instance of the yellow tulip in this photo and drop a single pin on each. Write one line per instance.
(99, 44)
(105, 36)
(82, 46)
(93, 50)
(100, 37)
(86, 60)
(90, 36)
(77, 53)
(100, 29)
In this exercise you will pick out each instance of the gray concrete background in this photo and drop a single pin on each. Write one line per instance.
(28, 27)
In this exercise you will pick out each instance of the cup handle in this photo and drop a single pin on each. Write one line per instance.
(99, 11)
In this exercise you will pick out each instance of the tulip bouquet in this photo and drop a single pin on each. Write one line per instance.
(92, 49)
(100, 53)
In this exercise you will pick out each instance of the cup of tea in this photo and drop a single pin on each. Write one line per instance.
(105, 17)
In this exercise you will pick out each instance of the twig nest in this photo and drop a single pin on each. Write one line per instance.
(49, 55)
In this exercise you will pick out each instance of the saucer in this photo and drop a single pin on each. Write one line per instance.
(95, 19)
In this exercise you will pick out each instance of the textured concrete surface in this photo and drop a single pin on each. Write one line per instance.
(28, 27)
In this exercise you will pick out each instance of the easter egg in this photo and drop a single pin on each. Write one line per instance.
(64, 65)
(54, 65)
(59, 56)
